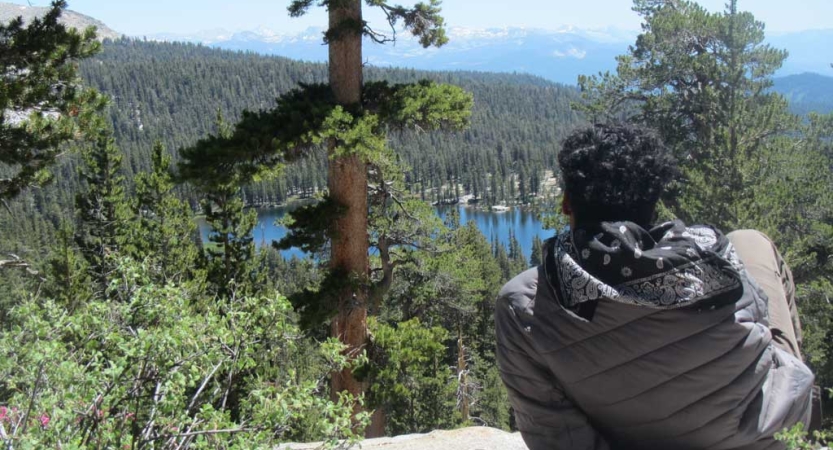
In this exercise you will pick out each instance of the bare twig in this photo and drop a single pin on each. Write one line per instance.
(156, 397)
(35, 389)
(202, 386)
(377, 37)
(212, 432)
(231, 374)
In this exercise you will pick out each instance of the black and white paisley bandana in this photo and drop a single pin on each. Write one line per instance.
(670, 266)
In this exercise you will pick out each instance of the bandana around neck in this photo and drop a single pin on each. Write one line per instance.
(670, 266)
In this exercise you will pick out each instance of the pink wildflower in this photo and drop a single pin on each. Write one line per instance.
(3, 412)
(44, 420)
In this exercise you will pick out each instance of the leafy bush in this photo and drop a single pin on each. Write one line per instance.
(796, 438)
(155, 371)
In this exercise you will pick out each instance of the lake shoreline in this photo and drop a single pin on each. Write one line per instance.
(519, 222)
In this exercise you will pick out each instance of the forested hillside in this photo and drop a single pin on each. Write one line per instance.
(171, 93)
(808, 92)
(208, 347)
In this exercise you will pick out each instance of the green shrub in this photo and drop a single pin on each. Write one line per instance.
(155, 371)
(796, 438)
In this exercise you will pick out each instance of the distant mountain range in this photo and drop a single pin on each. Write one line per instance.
(807, 92)
(559, 55)
(9, 11)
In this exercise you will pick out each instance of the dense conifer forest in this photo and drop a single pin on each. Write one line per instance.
(116, 193)
(171, 93)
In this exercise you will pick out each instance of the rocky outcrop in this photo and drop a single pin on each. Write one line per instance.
(475, 438)
(9, 11)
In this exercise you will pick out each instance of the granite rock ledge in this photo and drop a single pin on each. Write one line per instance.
(473, 438)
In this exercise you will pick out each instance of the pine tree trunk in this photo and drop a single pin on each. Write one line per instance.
(348, 186)
(462, 376)
(377, 424)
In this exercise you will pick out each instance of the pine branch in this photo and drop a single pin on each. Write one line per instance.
(423, 21)
(299, 7)
(17, 263)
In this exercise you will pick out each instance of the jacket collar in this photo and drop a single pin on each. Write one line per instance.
(669, 266)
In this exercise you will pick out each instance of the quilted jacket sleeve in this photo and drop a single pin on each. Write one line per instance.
(546, 419)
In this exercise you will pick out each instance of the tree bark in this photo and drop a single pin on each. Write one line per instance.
(462, 376)
(348, 186)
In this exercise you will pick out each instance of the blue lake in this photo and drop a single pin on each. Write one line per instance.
(496, 226)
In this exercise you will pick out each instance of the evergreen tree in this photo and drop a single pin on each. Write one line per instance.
(42, 101)
(452, 286)
(412, 384)
(516, 254)
(493, 189)
(452, 219)
(800, 189)
(486, 271)
(537, 252)
(708, 96)
(505, 264)
(398, 226)
(103, 211)
(165, 227)
(522, 184)
(352, 120)
(476, 336)
(347, 178)
(743, 155)
(493, 405)
(68, 280)
(231, 264)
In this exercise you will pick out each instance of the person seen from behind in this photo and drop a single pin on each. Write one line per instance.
(634, 334)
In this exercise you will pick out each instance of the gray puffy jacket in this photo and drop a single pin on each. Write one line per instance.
(636, 377)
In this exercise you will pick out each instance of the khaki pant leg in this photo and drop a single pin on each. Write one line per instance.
(766, 266)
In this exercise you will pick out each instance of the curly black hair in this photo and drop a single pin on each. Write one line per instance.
(615, 172)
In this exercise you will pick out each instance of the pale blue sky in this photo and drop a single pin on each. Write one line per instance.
(138, 17)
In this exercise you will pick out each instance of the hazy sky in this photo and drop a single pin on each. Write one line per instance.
(138, 17)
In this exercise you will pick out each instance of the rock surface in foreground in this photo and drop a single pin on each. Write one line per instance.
(475, 438)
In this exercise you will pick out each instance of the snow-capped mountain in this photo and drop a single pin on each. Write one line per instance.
(558, 55)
